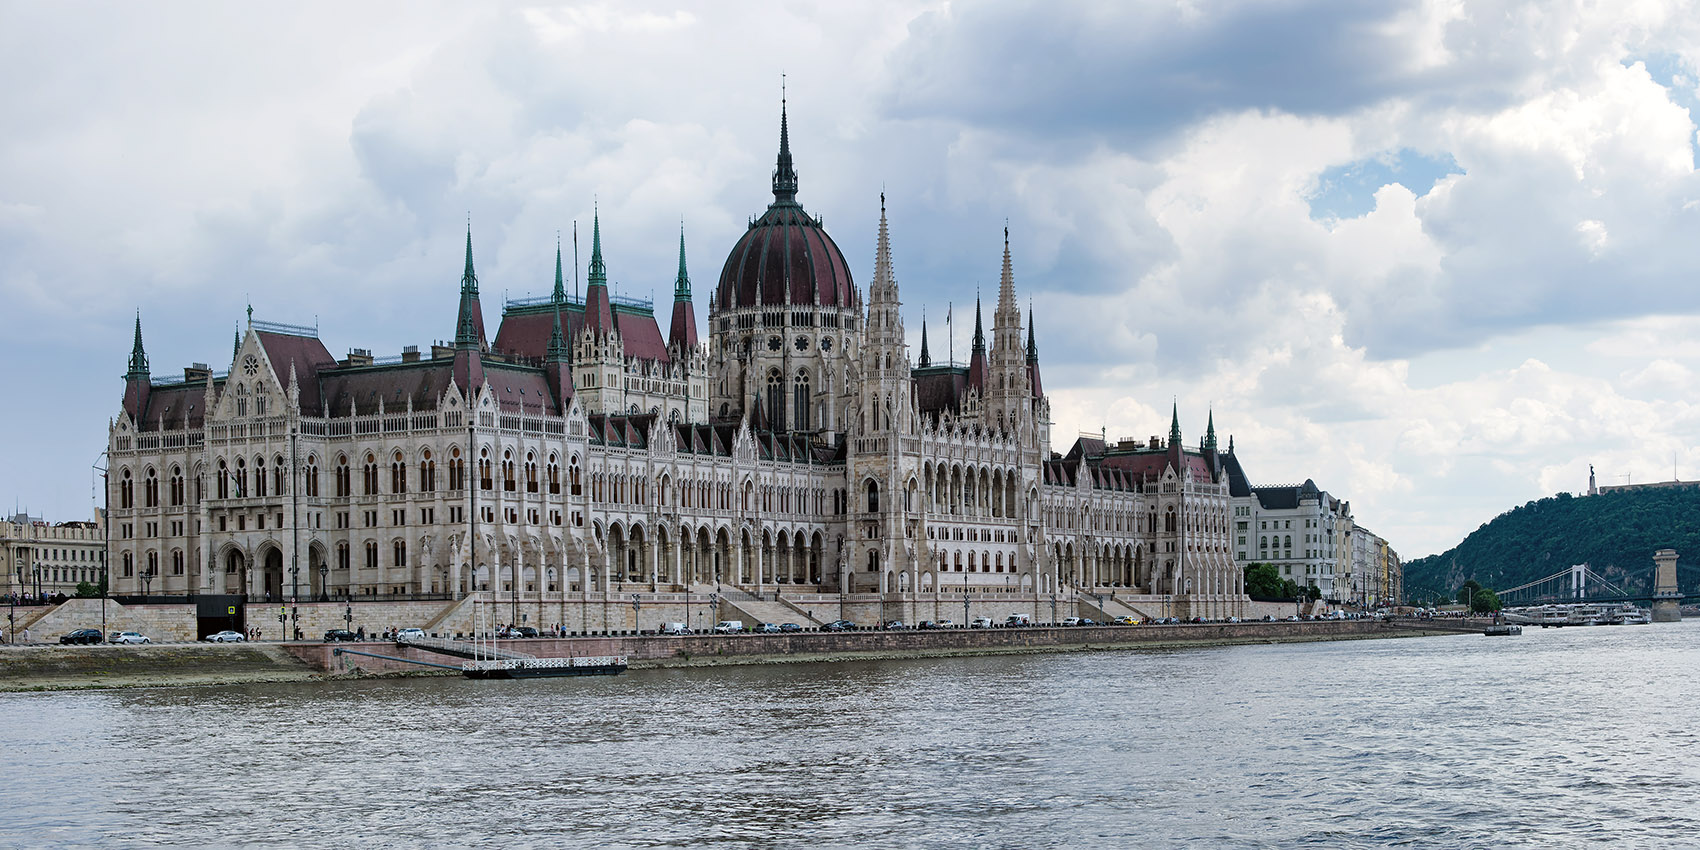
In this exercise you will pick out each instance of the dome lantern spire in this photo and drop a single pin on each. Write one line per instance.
(784, 173)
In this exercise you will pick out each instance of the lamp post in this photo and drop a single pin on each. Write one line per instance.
(348, 614)
(295, 595)
(636, 608)
(324, 582)
(965, 622)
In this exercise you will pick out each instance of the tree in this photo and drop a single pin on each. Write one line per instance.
(1262, 581)
(1289, 590)
(1484, 601)
(1467, 594)
(1312, 591)
(86, 590)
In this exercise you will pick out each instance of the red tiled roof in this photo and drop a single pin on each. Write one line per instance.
(423, 383)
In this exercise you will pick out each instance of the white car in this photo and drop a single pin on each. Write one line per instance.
(405, 635)
(129, 637)
(226, 636)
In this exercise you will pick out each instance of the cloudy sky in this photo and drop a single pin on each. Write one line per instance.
(1438, 256)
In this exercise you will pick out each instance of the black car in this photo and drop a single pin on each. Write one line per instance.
(839, 626)
(790, 627)
(334, 635)
(83, 636)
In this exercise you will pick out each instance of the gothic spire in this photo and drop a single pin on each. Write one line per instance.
(138, 357)
(560, 295)
(598, 312)
(236, 343)
(682, 283)
(784, 174)
(926, 358)
(683, 332)
(979, 328)
(558, 351)
(1032, 344)
(1210, 433)
(469, 324)
(1175, 425)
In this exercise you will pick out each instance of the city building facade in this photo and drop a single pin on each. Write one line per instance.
(40, 559)
(796, 450)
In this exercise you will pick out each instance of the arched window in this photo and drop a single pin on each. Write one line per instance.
(775, 400)
(427, 472)
(177, 493)
(485, 481)
(369, 475)
(554, 476)
(800, 404)
(398, 474)
(457, 469)
(873, 496)
(508, 470)
(150, 490)
(344, 477)
(127, 490)
(277, 475)
(242, 401)
(530, 472)
(873, 561)
(260, 476)
(223, 487)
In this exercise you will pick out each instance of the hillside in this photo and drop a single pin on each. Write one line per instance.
(1614, 533)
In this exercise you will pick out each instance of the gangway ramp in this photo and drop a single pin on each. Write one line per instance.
(464, 649)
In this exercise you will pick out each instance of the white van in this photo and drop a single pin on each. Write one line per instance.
(1018, 620)
(729, 627)
(675, 629)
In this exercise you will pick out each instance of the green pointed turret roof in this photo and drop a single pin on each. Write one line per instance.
(979, 327)
(469, 278)
(682, 283)
(560, 294)
(138, 357)
(598, 271)
(1210, 432)
(558, 351)
(469, 325)
(235, 343)
(1175, 425)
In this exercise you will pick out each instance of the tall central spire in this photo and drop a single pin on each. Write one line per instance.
(682, 283)
(784, 174)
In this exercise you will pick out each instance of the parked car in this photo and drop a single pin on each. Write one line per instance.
(403, 635)
(1126, 621)
(335, 635)
(521, 631)
(839, 626)
(728, 627)
(945, 624)
(790, 627)
(767, 628)
(926, 625)
(675, 629)
(128, 637)
(1071, 621)
(1018, 620)
(981, 623)
(82, 636)
(896, 626)
(1085, 621)
(226, 636)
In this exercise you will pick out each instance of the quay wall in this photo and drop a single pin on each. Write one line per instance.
(701, 650)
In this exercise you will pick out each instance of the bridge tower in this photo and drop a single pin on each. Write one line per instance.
(1665, 594)
(1579, 581)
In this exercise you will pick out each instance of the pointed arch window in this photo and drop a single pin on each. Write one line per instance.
(800, 404)
(427, 473)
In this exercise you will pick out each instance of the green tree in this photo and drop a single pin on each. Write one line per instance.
(1262, 581)
(86, 590)
(1312, 591)
(1466, 595)
(1484, 601)
(1289, 590)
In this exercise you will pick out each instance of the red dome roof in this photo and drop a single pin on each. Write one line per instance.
(785, 257)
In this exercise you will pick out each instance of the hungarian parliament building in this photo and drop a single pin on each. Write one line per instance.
(582, 454)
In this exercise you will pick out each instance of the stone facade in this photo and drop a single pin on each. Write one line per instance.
(38, 559)
(798, 458)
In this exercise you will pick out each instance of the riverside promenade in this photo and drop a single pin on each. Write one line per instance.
(52, 667)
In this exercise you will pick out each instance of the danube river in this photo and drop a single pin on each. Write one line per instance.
(1557, 738)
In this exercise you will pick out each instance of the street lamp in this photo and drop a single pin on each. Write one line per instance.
(324, 582)
(635, 609)
(965, 622)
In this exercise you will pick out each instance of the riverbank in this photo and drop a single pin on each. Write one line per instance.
(46, 667)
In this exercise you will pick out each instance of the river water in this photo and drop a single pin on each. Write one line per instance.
(1556, 738)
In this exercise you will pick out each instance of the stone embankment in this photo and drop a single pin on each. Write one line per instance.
(63, 667)
(51, 667)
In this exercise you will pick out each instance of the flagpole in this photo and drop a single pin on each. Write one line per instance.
(950, 330)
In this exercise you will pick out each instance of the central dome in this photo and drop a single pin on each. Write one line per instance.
(785, 258)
